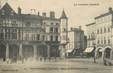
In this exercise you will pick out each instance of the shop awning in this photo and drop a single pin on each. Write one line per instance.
(88, 50)
(69, 50)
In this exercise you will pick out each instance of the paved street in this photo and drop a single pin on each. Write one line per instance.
(67, 66)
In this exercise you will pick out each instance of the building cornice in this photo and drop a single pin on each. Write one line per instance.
(90, 24)
(105, 14)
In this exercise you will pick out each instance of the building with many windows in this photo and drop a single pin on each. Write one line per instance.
(76, 44)
(100, 35)
(28, 36)
(64, 34)
(90, 39)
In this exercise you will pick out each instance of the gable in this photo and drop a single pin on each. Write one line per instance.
(7, 10)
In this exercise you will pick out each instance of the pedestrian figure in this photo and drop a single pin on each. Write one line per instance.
(44, 59)
(104, 61)
(40, 59)
(4, 59)
(94, 59)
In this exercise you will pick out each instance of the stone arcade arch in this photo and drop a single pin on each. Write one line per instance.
(107, 56)
(98, 52)
(42, 50)
(13, 52)
(107, 52)
(2, 52)
(28, 51)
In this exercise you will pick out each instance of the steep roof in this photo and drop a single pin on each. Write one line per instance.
(63, 15)
(90, 24)
(7, 9)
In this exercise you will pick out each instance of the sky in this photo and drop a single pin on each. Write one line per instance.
(79, 12)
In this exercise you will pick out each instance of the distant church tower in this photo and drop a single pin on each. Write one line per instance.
(64, 33)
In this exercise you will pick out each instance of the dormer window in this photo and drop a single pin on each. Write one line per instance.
(12, 13)
(3, 12)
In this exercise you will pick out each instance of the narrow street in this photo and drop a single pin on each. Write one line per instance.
(64, 66)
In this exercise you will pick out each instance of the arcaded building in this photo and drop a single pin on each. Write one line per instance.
(28, 36)
(100, 36)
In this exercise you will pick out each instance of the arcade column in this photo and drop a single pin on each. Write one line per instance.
(20, 51)
(7, 52)
(35, 51)
(111, 55)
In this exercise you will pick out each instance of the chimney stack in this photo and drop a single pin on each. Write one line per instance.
(19, 10)
(44, 14)
(38, 13)
(52, 14)
(110, 9)
(71, 29)
(80, 27)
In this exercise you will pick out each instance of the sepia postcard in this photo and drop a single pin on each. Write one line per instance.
(56, 36)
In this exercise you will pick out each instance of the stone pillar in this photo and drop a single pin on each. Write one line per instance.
(4, 33)
(111, 54)
(7, 51)
(20, 51)
(95, 53)
(35, 51)
(11, 34)
(103, 55)
(17, 32)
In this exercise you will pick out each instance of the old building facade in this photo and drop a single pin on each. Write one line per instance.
(28, 36)
(101, 32)
(64, 34)
(76, 46)
(90, 39)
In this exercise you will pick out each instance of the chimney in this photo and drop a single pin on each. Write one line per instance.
(71, 28)
(80, 27)
(38, 13)
(44, 14)
(19, 10)
(110, 9)
(52, 14)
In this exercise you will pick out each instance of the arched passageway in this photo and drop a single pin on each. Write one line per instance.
(2, 52)
(107, 53)
(42, 51)
(99, 52)
(13, 52)
(107, 56)
(28, 51)
(54, 51)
